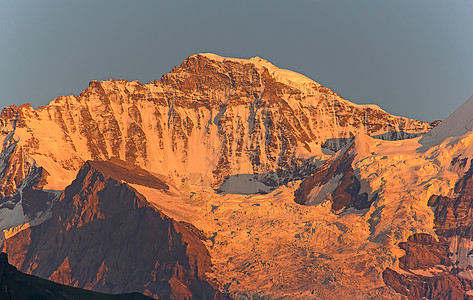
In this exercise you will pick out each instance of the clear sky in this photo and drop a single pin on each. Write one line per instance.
(412, 58)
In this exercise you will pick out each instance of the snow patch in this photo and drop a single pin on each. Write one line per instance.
(362, 146)
(173, 205)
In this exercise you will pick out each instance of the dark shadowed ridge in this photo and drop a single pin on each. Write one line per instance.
(15, 285)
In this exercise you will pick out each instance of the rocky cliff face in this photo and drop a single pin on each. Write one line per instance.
(427, 271)
(23, 201)
(446, 262)
(336, 181)
(103, 235)
(416, 200)
(209, 118)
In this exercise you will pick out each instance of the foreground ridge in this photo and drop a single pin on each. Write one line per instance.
(18, 286)
(107, 237)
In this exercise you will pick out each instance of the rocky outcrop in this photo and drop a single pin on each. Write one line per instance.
(241, 116)
(428, 271)
(338, 171)
(108, 238)
(15, 285)
(423, 251)
(446, 260)
(453, 220)
(453, 216)
(417, 287)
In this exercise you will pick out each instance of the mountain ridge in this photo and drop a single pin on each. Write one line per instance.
(223, 101)
(196, 149)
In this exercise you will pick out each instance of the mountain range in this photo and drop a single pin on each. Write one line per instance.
(232, 178)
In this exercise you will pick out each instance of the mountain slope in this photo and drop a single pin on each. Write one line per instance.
(107, 237)
(420, 207)
(455, 125)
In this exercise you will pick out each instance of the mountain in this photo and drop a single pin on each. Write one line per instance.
(19, 286)
(107, 237)
(239, 126)
(244, 116)
(220, 179)
(412, 195)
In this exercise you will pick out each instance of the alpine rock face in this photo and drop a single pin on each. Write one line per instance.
(195, 181)
(413, 198)
(107, 237)
(239, 116)
(206, 121)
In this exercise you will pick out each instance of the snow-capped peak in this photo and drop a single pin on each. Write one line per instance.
(459, 123)
(362, 146)
(281, 75)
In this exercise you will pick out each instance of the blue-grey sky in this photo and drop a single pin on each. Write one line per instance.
(412, 58)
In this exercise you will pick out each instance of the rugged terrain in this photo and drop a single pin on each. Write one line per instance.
(223, 179)
(415, 195)
(239, 126)
(206, 120)
(15, 285)
(104, 235)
